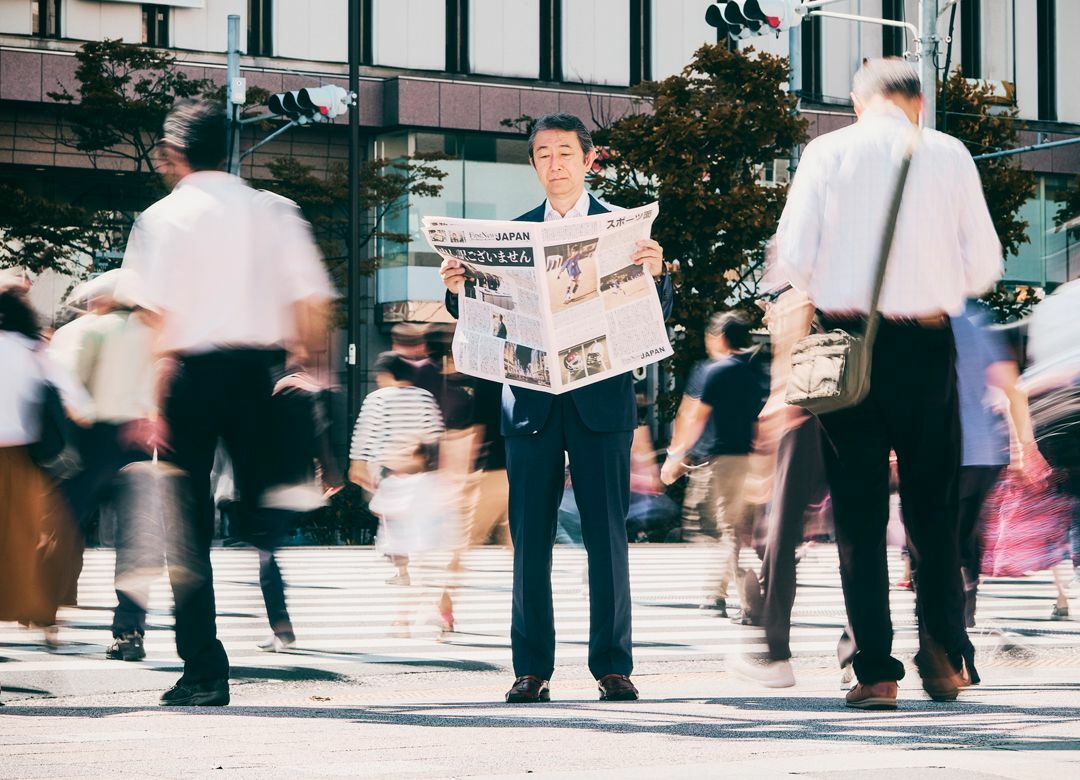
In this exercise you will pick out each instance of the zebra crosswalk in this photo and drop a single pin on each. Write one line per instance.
(346, 615)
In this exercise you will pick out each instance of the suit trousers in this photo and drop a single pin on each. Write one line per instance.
(799, 481)
(600, 471)
(912, 409)
(217, 395)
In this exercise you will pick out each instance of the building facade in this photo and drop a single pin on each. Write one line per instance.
(443, 75)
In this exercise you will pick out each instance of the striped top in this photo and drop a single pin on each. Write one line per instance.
(394, 418)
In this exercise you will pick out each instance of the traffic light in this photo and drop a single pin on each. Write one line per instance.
(748, 18)
(329, 101)
(311, 104)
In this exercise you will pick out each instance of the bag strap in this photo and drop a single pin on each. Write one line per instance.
(887, 239)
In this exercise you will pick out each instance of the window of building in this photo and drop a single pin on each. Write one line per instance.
(1051, 256)
(487, 178)
(1047, 57)
(457, 36)
(892, 38)
(45, 18)
(551, 40)
(155, 25)
(640, 40)
(504, 38)
(998, 40)
(971, 39)
(596, 42)
(410, 34)
(677, 29)
(811, 57)
(260, 28)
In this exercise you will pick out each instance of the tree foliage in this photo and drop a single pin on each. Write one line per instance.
(39, 234)
(984, 127)
(124, 94)
(385, 189)
(701, 152)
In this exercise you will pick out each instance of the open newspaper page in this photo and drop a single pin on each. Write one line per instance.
(501, 333)
(604, 311)
(553, 306)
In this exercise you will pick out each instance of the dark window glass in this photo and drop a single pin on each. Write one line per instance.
(551, 40)
(155, 25)
(45, 18)
(457, 36)
(971, 39)
(811, 57)
(640, 40)
(892, 38)
(260, 28)
(1047, 52)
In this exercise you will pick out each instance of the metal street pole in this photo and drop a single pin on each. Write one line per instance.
(795, 83)
(928, 40)
(233, 88)
(354, 361)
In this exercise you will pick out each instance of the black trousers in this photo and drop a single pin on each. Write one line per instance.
(222, 395)
(798, 482)
(912, 409)
(600, 471)
(266, 537)
(976, 482)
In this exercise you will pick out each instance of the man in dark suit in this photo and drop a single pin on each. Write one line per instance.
(594, 425)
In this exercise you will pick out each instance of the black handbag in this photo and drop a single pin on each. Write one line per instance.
(55, 450)
(831, 371)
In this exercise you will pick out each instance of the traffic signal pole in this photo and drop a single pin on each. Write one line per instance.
(233, 99)
(928, 42)
(354, 361)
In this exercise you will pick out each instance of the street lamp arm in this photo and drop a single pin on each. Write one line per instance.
(912, 29)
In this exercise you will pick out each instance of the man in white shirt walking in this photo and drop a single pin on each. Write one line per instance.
(945, 250)
(231, 278)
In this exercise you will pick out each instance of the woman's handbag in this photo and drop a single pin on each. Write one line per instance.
(831, 371)
(55, 450)
(1026, 527)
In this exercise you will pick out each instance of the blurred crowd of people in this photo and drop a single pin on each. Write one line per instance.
(167, 379)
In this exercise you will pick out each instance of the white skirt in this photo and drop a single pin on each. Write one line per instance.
(416, 514)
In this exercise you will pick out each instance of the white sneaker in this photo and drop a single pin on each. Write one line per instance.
(773, 674)
(276, 644)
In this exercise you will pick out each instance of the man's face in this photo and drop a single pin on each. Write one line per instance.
(559, 161)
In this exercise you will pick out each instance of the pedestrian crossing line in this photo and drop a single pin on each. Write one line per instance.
(343, 612)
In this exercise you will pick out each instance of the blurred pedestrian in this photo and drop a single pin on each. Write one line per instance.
(721, 432)
(230, 277)
(396, 436)
(301, 479)
(38, 541)
(793, 438)
(698, 515)
(112, 358)
(829, 233)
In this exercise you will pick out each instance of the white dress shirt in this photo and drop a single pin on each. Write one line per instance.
(945, 249)
(224, 263)
(27, 367)
(580, 209)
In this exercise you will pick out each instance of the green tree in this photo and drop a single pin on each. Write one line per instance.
(385, 189)
(124, 93)
(40, 234)
(983, 126)
(701, 153)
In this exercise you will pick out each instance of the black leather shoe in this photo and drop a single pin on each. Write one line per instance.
(212, 693)
(528, 689)
(617, 687)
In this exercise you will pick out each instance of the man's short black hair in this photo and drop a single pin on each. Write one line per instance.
(393, 364)
(198, 129)
(562, 121)
(733, 326)
(16, 313)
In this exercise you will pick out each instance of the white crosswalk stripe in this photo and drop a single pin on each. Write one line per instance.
(344, 613)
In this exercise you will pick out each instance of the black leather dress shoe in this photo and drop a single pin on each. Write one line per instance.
(211, 693)
(617, 687)
(528, 689)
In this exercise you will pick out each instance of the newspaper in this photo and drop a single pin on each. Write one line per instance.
(553, 306)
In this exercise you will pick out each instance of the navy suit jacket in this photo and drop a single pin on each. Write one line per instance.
(604, 407)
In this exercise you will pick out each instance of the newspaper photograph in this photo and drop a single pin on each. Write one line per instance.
(553, 306)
